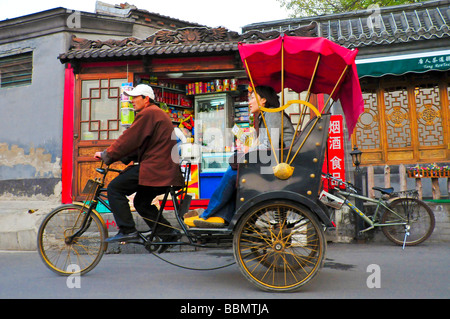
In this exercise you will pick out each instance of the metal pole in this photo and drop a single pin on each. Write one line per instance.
(359, 224)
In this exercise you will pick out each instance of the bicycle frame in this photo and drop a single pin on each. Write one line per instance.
(343, 195)
(97, 194)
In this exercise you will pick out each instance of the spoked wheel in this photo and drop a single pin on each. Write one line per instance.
(279, 246)
(419, 219)
(64, 253)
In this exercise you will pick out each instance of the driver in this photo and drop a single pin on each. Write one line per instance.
(149, 140)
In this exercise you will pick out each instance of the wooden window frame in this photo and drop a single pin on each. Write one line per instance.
(16, 69)
(415, 153)
(83, 150)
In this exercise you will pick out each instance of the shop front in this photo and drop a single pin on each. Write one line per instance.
(198, 79)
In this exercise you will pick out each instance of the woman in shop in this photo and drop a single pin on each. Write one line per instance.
(222, 204)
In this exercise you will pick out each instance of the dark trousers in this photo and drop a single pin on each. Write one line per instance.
(126, 184)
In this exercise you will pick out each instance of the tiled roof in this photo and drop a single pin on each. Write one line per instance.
(126, 10)
(184, 41)
(397, 24)
(387, 25)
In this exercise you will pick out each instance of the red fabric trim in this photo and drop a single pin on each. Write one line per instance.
(195, 204)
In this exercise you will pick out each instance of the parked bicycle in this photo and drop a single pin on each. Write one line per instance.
(405, 220)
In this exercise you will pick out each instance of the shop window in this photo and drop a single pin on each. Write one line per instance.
(398, 121)
(16, 70)
(369, 123)
(100, 107)
(297, 112)
(429, 117)
(404, 124)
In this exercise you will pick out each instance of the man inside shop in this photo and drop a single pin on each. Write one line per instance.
(149, 143)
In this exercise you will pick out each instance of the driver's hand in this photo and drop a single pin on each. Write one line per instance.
(98, 155)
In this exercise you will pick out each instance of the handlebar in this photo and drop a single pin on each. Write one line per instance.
(349, 186)
(107, 169)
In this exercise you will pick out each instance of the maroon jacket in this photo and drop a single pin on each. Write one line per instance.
(151, 136)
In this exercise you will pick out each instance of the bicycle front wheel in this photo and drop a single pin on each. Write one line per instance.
(64, 253)
(418, 219)
(279, 246)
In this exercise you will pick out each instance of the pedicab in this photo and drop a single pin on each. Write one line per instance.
(277, 231)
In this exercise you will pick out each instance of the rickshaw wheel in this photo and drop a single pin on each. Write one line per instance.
(279, 245)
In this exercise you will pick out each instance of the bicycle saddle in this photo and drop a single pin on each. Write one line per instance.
(387, 191)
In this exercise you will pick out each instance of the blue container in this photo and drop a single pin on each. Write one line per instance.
(208, 184)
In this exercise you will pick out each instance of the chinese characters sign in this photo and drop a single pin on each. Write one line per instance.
(334, 159)
(435, 62)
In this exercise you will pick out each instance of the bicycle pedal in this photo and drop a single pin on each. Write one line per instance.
(131, 241)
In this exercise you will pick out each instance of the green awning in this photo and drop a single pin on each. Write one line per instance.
(401, 64)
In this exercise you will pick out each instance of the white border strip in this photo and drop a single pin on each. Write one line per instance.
(403, 57)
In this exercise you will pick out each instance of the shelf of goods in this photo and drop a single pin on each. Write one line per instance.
(241, 114)
(216, 86)
(171, 97)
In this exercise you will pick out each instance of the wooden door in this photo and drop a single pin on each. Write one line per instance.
(97, 123)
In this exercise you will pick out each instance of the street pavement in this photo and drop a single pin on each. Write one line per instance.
(350, 271)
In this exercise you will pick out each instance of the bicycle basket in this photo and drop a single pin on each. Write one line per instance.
(90, 187)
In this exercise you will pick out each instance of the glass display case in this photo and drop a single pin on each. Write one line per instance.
(213, 122)
(215, 162)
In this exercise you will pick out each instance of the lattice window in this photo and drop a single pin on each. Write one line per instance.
(100, 109)
(295, 110)
(408, 123)
(429, 119)
(398, 121)
(368, 127)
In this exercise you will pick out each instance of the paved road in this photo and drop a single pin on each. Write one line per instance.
(416, 272)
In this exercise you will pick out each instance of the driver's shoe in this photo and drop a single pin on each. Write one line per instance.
(122, 237)
(170, 235)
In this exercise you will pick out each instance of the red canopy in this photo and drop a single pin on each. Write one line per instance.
(300, 56)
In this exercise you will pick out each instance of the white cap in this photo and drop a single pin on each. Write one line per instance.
(141, 89)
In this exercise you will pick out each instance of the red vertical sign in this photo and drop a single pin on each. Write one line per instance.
(334, 159)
